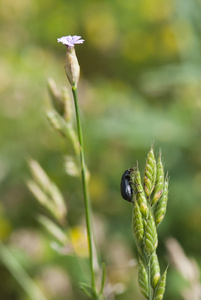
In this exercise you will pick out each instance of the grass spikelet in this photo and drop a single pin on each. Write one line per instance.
(151, 239)
(155, 270)
(159, 181)
(143, 279)
(161, 205)
(140, 195)
(150, 173)
(137, 224)
(160, 289)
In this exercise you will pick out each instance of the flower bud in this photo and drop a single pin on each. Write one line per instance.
(72, 67)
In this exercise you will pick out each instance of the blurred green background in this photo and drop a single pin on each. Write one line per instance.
(140, 84)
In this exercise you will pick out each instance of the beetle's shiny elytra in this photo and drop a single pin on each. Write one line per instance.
(126, 188)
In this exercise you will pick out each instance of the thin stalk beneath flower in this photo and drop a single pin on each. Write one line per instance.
(85, 190)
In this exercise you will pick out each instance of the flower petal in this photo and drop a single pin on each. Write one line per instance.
(70, 41)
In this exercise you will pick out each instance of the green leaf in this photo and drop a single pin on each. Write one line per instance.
(87, 289)
(103, 279)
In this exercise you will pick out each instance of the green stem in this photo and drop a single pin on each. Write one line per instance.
(85, 190)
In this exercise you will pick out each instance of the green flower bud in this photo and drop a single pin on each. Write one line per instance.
(155, 270)
(143, 279)
(161, 205)
(159, 181)
(137, 224)
(151, 239)
(72, 67)
(160, 289)
(150, 173)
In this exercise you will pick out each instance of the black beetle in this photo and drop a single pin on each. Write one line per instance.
(126, 188)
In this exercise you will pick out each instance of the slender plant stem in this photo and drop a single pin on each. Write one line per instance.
(85, 190)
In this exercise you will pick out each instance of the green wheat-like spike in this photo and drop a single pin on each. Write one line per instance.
(140, 195)
(67, 103)
(160, 289)
(55, 95)
(57, 122)
(137, 224)
(155, 270)
(143, 279)
(64, 128)
(161, 205)
(150, 173)
(151, 239)
(159, 181)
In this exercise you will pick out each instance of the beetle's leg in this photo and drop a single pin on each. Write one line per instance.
(135, 192)
(133, 183)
